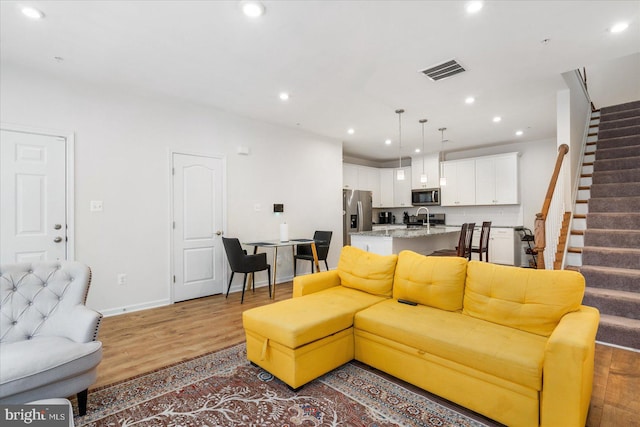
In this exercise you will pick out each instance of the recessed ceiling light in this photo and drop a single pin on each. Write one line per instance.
(284, 96)
(474, 6)
(417, 150)
(351, 131)
(253, 9)
(496, 119)
(387, 141)
(619, 27)
(519, 133)
(32, 12)
(470, 100)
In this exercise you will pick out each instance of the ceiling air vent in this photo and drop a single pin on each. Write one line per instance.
(444, 70)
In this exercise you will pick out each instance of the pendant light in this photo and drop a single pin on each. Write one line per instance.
(400, 171)
(443, 179)
(423, 176)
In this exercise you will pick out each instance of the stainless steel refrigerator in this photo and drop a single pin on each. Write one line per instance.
(356, 213)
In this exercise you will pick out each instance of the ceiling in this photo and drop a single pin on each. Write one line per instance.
(345, 64)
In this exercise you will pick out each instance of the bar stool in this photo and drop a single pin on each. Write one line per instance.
(464, 243)
(484, 242)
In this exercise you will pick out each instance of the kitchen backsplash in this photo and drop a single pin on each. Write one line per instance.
(505, 215)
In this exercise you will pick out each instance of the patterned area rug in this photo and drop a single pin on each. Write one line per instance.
(223, 389)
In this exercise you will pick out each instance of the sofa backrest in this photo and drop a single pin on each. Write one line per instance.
(433, 281)
(366, 271)
(36, 297)
(523, 298)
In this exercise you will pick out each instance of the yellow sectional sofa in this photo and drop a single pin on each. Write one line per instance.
(513, 344)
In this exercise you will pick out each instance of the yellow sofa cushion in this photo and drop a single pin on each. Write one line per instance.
(506, 353)
(299, 321)
(522, 298)
(366, 271)
(434, 281)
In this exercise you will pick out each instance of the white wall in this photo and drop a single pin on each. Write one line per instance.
(123, 140)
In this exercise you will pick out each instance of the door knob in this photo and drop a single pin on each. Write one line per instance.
(219, 233)
(58, 239)
(57, 226)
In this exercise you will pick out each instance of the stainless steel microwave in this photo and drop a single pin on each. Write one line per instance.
(425, 197)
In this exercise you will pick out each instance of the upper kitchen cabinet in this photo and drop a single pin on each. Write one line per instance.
(387, 192)
(350, 176)
(431, 167)
(369, 179)
(386, 189)
(460, 188)
(496, 180)
(402, 189)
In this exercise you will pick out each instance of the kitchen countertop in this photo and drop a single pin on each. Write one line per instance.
(408, 233)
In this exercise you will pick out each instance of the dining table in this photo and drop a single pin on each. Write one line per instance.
(275, 244)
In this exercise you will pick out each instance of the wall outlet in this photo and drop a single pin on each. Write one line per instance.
(122, 279)
(95, 206)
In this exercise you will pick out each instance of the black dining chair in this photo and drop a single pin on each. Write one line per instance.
(240, 262)
(464, 243)
(483, 247)
(303, 252)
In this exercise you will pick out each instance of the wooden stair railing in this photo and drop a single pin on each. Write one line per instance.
(539, 232)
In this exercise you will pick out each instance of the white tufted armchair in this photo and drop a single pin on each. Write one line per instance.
(48, 346)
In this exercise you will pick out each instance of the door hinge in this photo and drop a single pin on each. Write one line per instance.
(173, 171)
(174, 278)
(174, 225)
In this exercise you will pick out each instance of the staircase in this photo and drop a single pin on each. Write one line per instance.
(605, 237)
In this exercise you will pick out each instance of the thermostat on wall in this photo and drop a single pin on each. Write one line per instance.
(278, 207)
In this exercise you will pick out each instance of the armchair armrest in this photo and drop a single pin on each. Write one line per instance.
(310, 283)
(79, 324)
(568, 369)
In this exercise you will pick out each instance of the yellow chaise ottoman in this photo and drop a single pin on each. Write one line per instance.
(300, 339)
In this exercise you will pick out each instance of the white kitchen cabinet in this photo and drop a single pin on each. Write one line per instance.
(350, 176)
(402, 189)
(386, 188)
(460, 189)
(502, 246)
(369, 180)
(431, 169)
(376, 244)
(496, 180)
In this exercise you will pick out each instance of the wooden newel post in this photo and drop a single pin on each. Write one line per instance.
(539, 240)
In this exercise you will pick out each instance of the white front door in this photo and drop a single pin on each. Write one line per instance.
(33, 223)
(198, 253)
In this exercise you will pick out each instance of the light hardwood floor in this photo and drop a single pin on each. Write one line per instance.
(139, 342)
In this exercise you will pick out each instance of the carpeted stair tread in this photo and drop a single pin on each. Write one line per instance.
(615, 303)
(614, 204)
(616, 164)
(620, 279)
(618, 152)
(632, 112)
(628, 189)
(623, 141)
(616, 132)
(619, 107)
(619, 123)
(619, 331)
(616, 176)
(612, 238)
(611, 257)
(613, 220)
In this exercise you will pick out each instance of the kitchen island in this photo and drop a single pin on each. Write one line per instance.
(422, 240)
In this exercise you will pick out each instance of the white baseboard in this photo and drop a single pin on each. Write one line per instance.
(135, 307)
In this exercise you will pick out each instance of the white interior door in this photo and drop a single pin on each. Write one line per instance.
(33, 222)
(198, 254)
